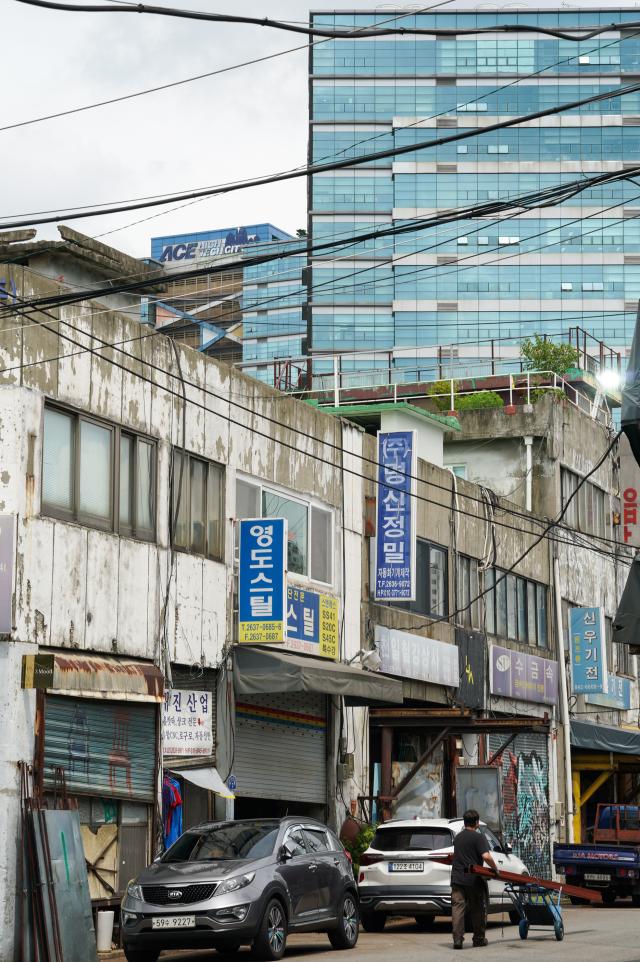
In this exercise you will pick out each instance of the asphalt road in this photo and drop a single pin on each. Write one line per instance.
(592, 935)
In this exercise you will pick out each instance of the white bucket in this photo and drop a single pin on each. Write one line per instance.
(105, 931)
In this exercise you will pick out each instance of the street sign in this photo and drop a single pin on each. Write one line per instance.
(312, 622)
(262, 581)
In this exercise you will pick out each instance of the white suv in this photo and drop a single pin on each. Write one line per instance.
(397, 878)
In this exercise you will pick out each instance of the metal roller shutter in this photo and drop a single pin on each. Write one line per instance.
(281, 747)
(106, 748)
(525, 798)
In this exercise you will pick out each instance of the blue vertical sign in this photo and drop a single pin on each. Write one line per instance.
(588, 651)
(262, 581)
(395, 551)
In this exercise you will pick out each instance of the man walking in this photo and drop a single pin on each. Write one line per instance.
(469, 891)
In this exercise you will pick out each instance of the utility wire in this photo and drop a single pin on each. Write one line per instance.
(313, 169)
(586, 33)
(538, 199)
(275, 422)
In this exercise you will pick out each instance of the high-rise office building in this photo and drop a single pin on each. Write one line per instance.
(475, 281)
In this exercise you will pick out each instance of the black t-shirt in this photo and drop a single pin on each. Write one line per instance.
(468, 848)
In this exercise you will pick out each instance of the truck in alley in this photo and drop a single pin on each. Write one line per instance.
(610, 861)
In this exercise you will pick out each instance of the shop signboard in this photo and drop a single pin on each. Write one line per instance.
(6, 573)
(414, 656)
(312, 622)
(618, 695)
(523, 677)
(187, 723)
(589, 671)
(395, 542)
(262, 581)
(472, 660)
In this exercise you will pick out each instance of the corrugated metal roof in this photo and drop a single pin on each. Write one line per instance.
(102, 676)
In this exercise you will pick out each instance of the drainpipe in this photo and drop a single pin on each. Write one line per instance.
(564, 705)
(528, 446)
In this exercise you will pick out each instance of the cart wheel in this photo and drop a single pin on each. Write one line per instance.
(523, 928)
(558, 928)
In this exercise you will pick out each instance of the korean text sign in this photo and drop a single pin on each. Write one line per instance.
(187, 725)
(588, 650)
(523, 677)
(395, 548)
(262, 581)
(312, 622)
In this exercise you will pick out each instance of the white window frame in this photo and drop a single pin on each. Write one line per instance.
(308, 503)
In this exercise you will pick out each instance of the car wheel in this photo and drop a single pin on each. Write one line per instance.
(609, 897)
(576, 900)
(345, 935)
(514, 917)
(425, 922)
(373, 921)
(140, 955)
(271, 939)
(635, 900)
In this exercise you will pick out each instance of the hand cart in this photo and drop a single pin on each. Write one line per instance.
(536, 906)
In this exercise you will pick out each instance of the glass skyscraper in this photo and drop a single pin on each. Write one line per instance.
(477, 280)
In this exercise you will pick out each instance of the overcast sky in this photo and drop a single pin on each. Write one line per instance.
(245, 123)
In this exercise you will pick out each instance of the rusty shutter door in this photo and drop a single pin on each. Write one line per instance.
(106, 748)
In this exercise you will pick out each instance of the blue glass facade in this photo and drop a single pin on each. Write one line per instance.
(475, 280)
(272, 298)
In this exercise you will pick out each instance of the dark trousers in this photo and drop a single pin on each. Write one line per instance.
(469, 899)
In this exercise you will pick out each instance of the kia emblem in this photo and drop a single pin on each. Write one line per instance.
(174, 893)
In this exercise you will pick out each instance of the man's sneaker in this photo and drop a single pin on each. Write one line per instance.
(457, 945)
(479, 945)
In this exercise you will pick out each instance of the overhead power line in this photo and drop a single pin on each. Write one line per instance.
(314, 169)
(265, 417)
(534, 200)
(584, 33)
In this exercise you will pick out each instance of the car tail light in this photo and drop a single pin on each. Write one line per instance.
(348, 854)
(361, 877)
(570, 870)
(370, 858)
(627, 873)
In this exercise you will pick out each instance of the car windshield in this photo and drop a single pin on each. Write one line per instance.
(237, 840)
(411, 839)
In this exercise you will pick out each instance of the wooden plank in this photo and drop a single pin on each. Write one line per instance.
(589, 895)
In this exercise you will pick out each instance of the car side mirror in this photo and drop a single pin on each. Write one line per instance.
(507, 848)
(284, 854)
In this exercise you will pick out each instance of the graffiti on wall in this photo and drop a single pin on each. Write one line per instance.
(525, 794)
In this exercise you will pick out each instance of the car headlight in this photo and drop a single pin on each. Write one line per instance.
(233, 884)
(135, 891)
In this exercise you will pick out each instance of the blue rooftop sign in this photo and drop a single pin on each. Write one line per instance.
(213, 243)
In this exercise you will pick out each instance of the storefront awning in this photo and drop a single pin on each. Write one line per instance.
(93, 676)
(261, 671)
(603, 738)
(208, 778)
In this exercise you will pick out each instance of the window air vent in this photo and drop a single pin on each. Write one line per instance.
(447, 306)
(446, 168)
(445, 82)
(447, 122)
(447, 259)
(631, 211)
(629, 164)
(632, 258)
(631, 305)
(631, 120)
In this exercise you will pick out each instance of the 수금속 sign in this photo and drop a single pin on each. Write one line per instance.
(312, 622)
(187, 727)
(523, 677)
(262, 584)
(395, 545)
(588, 650)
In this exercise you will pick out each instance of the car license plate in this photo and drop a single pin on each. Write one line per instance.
(406, 866)
(173, 922)
(593, 877)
